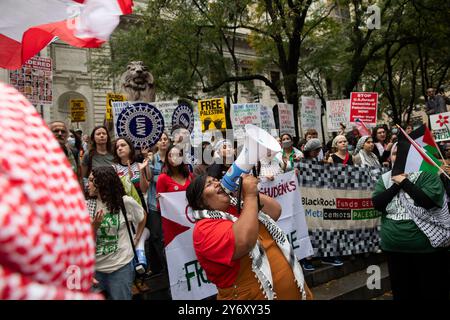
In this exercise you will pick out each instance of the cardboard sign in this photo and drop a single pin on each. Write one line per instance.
(212, 114)
(363, 106)
(78, 110)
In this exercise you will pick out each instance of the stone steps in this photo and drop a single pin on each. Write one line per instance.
(326, 273)
(349, 282)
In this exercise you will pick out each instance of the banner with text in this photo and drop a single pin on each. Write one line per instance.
(212, 114)
(242, 114)
(187, 278)
(311, 114)
(338, 111)
(338, 207)
(439, 126)
(363, 106)
(286, 118)
(286, 191)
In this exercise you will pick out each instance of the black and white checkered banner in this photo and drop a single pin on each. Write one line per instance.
(338, 208)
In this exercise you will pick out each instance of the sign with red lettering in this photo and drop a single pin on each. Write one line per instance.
(363, 106)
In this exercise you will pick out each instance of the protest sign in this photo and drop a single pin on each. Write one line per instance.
(440, 126)
(77, 110)
(212, 114)
(286, 191)
(338, 207)
(242, 114)
(311, 115)
(140, 122)
(34, 80)
(110, 98)
(286, 118)
(363, 106)
(338, 111)
(187, 279)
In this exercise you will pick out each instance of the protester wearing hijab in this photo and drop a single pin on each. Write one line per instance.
(363, 155)
(414, 232)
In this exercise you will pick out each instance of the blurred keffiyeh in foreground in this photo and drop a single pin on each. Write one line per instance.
(46, 240)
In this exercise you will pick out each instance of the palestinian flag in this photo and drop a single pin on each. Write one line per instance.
(416, 152)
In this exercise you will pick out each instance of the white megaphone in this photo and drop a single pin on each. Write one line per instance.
(258, 145)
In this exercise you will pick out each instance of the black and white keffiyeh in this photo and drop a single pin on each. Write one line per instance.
(260, 262)
(434, 223)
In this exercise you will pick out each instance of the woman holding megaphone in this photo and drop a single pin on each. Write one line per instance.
(246, 255)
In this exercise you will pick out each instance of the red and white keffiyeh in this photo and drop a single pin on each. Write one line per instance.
(27, 26)
(46, 240)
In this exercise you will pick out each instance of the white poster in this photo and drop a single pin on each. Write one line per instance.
(187, 279)
(286, 191)
(267, 119)
(166, 108)
(286, 118)
(310, 114)
(440, 126)
(117, 108)
(338, 111)
(242, 114)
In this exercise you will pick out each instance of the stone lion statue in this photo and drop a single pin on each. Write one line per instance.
(138, 83)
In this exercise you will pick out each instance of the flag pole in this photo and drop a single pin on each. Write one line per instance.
(422, 151)
(439, 149)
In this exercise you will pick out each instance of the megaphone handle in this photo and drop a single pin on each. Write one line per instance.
(255, 174)
(239, 190)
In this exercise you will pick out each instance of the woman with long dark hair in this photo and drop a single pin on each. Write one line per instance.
(114, 252)
(176, 176)
(129, 170)
(99, 153)
(383, 146)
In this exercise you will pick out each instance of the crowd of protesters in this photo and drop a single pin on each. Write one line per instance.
(172, 164)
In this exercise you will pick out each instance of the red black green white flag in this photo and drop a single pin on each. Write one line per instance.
(416, 152)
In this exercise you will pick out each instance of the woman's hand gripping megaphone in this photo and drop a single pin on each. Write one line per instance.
(249, 187)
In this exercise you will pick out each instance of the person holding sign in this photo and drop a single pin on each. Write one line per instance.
(247, 256)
